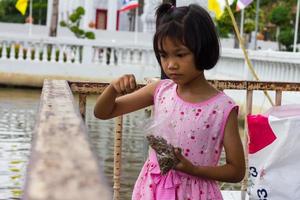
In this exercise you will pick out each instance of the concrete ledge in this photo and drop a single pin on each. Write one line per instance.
(62, 165)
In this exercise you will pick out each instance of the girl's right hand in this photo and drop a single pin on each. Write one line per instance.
(125, 84)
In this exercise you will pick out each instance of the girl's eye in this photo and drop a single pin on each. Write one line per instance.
(181, 54)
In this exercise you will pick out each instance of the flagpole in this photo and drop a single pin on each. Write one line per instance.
(30, 18)
(136, 25)
(256, 23)
(296, 26)
(242, 23)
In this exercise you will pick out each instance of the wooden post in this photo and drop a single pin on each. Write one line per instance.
(278, 97)
(117, 157)
(249, 100)
(82, 105)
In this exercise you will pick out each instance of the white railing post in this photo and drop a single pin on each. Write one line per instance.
(87, 54)
(4, 51)
(12, 51)
(28, 51)
(36, 52)
(69, 54)
(21, 52)
(96, 52)
(110, 57)
(77, 54)
(119, 56)
(104, 56)
(127, 56)
(135, 56)
(61, 53)
(53, 53)
(44, 53)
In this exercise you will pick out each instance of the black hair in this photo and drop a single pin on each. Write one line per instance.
(193, 27)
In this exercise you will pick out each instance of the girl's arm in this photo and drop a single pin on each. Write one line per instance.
(109, 105)
(233, 170)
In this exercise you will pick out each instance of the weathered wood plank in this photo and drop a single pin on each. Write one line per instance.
(62, 165)
(97, 88)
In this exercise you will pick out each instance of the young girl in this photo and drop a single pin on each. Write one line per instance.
(204, 119)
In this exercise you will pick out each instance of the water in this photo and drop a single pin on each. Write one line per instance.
(134, 148)
(18, 110)
(17, 115)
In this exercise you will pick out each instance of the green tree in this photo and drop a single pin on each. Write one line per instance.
(224, 25)
(286, 37)
(73, 24)
(9, 13)
(280, 16)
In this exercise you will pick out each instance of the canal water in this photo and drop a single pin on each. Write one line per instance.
(18, 109)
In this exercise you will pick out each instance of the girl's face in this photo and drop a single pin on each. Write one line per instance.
(178, 62)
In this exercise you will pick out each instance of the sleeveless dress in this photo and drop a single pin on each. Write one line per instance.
(199, 129)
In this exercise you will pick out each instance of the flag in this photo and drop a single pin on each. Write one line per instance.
(241, 4)
(21, 5)
(129, 4)
(217, 7)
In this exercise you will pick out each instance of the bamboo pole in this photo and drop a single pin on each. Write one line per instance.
(241, 41)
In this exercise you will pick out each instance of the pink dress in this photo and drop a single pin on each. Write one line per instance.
(199, 128)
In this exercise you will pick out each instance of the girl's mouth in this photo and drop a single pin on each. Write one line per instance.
(175, 76)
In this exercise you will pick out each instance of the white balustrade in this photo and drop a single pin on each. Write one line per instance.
(269, 65)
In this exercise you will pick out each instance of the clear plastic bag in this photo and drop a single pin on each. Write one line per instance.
(162, 138)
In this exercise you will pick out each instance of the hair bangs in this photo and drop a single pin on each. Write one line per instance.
(172, 30)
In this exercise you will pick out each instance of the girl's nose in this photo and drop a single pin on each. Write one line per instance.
(172, 65)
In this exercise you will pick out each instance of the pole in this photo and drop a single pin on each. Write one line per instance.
(30, 18)
(296, 26)
(242, 24)
(136, 25)
(40, 13)
(256, 23)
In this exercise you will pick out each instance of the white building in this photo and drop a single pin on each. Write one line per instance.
(104, 14)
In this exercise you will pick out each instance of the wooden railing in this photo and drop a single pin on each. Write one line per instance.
(84, 89)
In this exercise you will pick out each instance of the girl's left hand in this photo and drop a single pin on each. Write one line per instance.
(184, 164)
